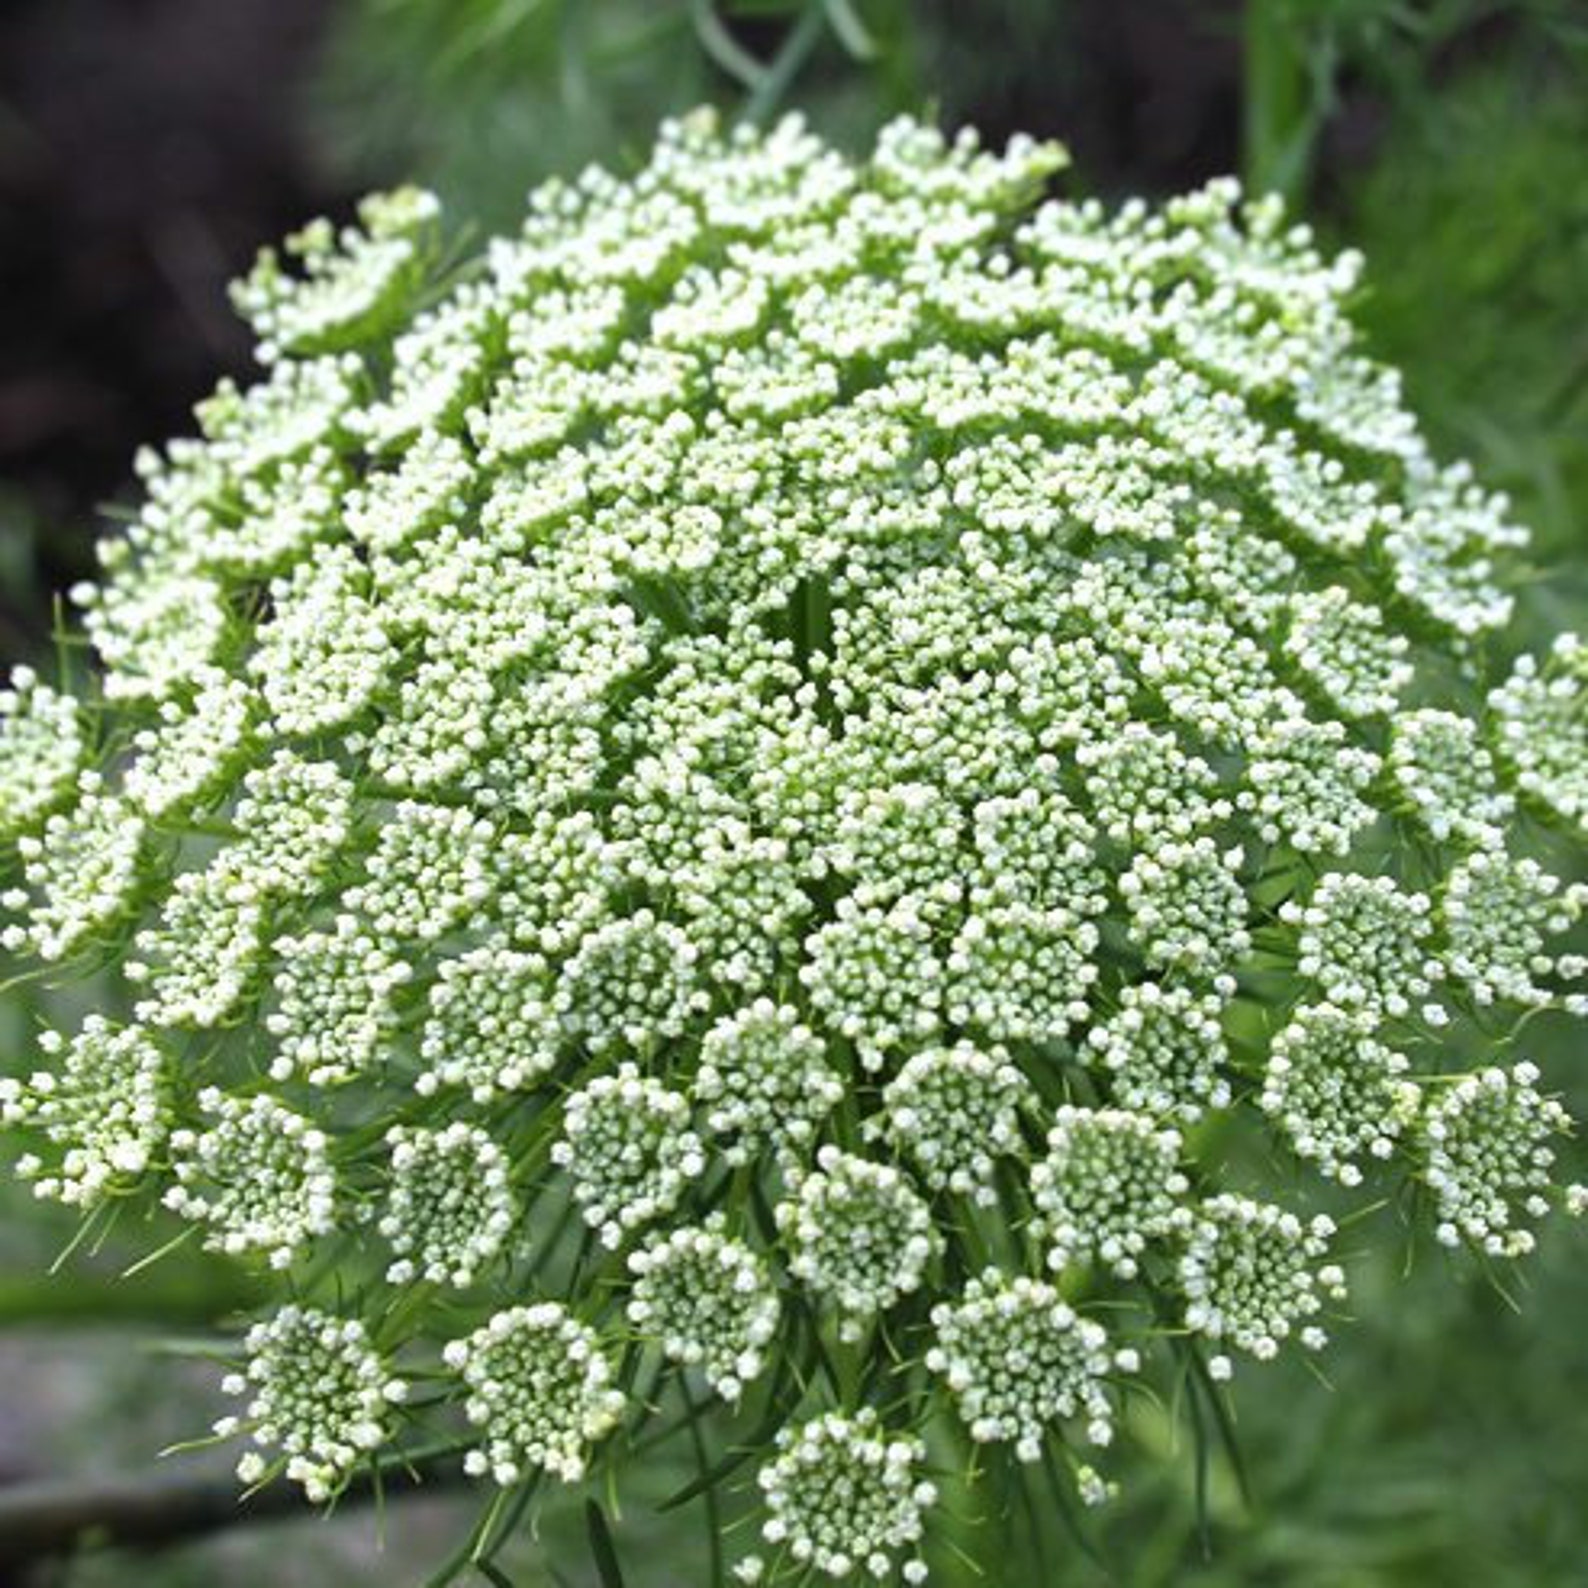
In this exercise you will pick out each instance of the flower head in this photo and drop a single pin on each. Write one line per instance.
(801, 741)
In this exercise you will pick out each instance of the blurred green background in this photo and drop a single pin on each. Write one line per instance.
(146, 148)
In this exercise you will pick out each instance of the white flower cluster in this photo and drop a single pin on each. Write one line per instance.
(1250, 1275)
(1336, 1092)
(1498, 914)
(539, 1389)
(1188, 909)
(105, 1108)
(1018, 1359)
(766, 1081)
(1447, 776)
(42, 745)
(630, 984)
(200, 957)
(859, 1236)
(799, 729)
(1307, 784)
(1363, 942)
(352, 281)
(1487, 1139)
(709, 1300)
(293, 819)
(954, 1112)
(318, 1392)
(258, 1174)
(844, 1496)
(451, 1206)
(628, 1151)
(335, 1010)
(1165, 1050)
(1539, 729)
(1109, 1185)
(491, 1026)
(194, 750)
(83, 867)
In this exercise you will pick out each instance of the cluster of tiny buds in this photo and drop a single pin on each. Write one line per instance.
(710, 1301)
(859, 1236)
(1109, 1185)
(953, 1112)
(1017, 1359)
(258, 1174)
(318, 1392)
(725, 726)
(451, 1205)
(1363, 942)
(765, 1080)
(1487, 1139)
(1248, 1271)
(843, 1496)
(1336, 1092)
(105, 1108)
(628, 1151)
(540, 1391)
(42, 746)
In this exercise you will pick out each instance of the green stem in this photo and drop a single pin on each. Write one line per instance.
(172, 1296)
(1280, 119)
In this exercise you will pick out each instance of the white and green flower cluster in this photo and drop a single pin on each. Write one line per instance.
(816, 777)
(318, 1393)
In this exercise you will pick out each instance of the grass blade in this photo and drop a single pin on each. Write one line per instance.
(602, 1547)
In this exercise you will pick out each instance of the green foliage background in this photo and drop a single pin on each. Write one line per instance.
(1445, 138)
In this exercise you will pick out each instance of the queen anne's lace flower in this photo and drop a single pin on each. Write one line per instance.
(1018, 1359)
(335, 1004)
(630, 984)
(1364, 943)
(797, 730)
(199, 960)
(429, 869)
(1447, 776)
(843, 1495)
(1187, 908)
(1539, 729)
(709, 1300)
(1487, 1141)
(41, 750)
(104, 1107)
(1108, 1186)
(1249, 1276)
(873, 975)
(491, 1025)
(628, 1151)
(324, 653)
(953, 1112)
(450, 1207)
(317, 1392)
(1498, 914)
(1165, 1050)
(293, 818)
(1335, 1091)
(859, 1236)
(1307, 785)
(766, 1081)
(1344, 650)
(1017, 973)
(84, 867)
(539, 1389)
(352, 282)
(194, 751)
(258, 1174)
